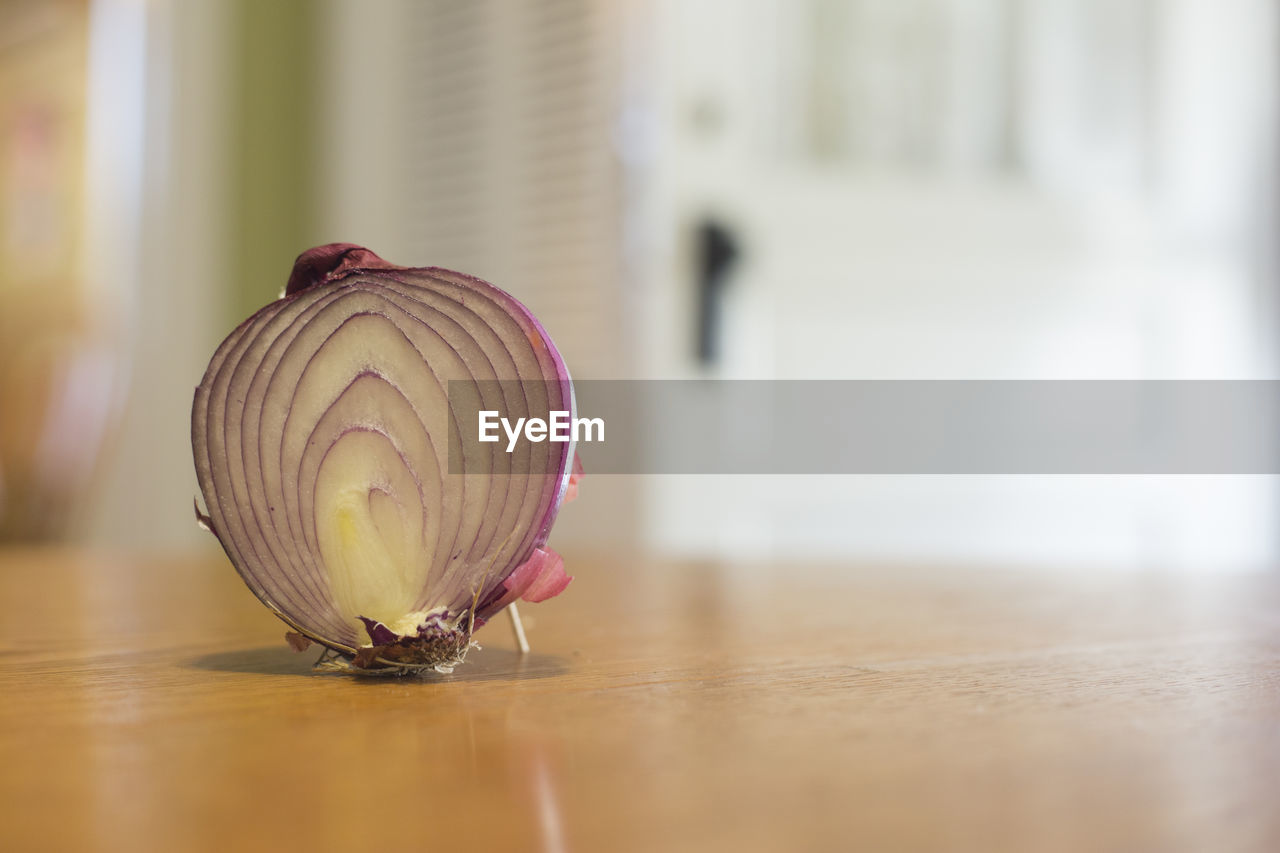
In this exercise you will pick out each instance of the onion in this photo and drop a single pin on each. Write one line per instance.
(321, 439)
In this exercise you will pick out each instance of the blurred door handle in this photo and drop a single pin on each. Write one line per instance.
(717, 250)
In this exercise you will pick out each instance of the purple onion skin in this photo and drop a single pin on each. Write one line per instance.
(272, 556)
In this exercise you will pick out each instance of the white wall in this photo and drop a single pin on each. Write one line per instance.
(158, 156)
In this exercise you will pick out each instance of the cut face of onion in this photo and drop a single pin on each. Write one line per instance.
(321, 434)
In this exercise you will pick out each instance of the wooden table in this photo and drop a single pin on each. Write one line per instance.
(152, 705)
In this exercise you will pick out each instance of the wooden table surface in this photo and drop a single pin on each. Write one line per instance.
(152, 704)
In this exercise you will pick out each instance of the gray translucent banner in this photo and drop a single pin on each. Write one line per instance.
(903, 427)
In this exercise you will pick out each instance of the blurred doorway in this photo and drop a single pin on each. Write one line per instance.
(938, 189)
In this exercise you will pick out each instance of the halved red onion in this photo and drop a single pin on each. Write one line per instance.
(321, 438)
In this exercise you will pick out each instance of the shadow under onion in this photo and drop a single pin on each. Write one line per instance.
(481, 665)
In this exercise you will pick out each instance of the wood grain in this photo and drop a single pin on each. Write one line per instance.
(152, 704)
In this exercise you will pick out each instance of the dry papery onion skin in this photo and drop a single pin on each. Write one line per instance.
(321, 436)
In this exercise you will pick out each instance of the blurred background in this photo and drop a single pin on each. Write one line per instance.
(943, 189)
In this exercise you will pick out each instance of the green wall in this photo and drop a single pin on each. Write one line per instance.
(274, 152)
